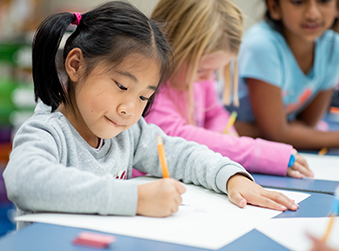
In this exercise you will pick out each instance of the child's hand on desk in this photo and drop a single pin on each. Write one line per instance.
(160, 198)
(300, 168)
(243, 191)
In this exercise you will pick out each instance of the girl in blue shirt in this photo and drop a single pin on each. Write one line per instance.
(288, 67)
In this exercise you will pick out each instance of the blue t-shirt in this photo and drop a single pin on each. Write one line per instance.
(265, 55)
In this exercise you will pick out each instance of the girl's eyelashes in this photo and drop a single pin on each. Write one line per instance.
(120, 86)
(325, 1)
(144, 98)
(296, 2)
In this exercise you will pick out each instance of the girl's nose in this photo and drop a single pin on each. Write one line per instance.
(312, 11)
(126, 110)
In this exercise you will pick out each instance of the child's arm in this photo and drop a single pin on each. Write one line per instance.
(38, 179)
(271, 119)
(256, 155)
(163, 197)
(194, 163)
(313, 113)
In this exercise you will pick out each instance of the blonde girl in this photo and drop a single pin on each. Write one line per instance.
(205, 36)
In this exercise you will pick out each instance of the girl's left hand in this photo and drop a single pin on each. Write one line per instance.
(243, 191)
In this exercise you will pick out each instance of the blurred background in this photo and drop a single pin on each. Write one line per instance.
(18, 21)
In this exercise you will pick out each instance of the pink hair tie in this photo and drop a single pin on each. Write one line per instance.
(78, 16)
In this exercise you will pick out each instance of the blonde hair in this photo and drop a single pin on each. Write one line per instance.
(196, 28)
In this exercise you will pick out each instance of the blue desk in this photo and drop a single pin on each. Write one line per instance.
(302, 185)
(40, 236)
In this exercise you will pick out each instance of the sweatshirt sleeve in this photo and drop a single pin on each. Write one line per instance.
(36, 181)
(187, 161)
(256, 155)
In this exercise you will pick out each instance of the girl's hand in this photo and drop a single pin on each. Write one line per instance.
(160, 198)
(319, 245)
(243, 191)
(300, 168)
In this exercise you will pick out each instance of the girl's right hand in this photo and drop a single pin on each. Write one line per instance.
(300, 168)
(160, 198)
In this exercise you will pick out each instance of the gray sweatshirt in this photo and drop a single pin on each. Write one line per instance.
(52, 168)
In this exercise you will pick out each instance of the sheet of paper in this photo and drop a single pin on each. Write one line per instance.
(291, 232)
(324, 167)
(206, 220)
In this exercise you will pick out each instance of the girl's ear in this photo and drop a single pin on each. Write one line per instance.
(274, 9)
(74, 64)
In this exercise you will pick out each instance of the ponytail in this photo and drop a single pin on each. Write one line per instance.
(47, 85)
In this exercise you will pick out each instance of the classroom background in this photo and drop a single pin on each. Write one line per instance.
(18, 21)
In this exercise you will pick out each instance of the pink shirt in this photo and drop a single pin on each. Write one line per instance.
(256, 155)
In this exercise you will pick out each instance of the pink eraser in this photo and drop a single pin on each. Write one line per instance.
(94, 239)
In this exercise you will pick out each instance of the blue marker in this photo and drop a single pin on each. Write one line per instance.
(291, 161)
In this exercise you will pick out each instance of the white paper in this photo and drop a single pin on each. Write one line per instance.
(291, 232)
(206, 220)
(324, 167)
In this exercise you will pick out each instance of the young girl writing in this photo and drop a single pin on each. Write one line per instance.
(85, 136)
(205, 36)
(288, 67)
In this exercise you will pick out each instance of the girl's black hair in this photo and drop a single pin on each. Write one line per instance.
(275, 24)
(109, 32)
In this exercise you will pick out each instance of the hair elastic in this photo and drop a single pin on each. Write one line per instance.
(78, 16)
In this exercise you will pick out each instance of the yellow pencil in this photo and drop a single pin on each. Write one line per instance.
(162, 157)
(230, 122)
(323, 151)
(328, 230)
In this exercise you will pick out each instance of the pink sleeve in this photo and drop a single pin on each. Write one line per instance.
(256, 155)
